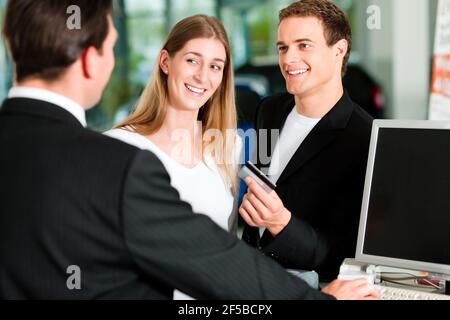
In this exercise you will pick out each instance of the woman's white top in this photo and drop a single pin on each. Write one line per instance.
(201, 186)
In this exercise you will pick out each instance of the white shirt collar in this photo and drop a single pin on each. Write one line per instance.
(301, 119)
(48, 96)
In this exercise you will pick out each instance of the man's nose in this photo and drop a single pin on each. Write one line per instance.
(292, 56)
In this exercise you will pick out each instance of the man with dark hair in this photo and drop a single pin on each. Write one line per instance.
(49, 30)
(84, 216)
(318, 163)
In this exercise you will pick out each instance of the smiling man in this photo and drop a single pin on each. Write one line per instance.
(311, 220)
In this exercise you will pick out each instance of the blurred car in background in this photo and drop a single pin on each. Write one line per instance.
(362, 88)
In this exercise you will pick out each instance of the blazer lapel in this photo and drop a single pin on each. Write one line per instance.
(321, 136)
(275, 122)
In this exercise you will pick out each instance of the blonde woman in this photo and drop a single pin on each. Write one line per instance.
(187, 117)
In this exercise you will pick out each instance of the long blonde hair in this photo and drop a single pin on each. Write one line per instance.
(218, 113)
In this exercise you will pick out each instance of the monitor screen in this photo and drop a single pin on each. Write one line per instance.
(405, 218)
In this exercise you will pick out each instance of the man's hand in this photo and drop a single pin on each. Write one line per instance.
(260, 209)
(358, 289)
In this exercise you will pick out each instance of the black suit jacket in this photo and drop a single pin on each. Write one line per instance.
(70, 196)
(322, 186)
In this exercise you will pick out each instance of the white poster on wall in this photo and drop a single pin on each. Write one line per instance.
(440, 90)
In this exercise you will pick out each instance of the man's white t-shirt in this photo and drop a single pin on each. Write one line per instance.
(295, 130)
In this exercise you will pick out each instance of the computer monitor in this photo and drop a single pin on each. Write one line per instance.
(405, 216)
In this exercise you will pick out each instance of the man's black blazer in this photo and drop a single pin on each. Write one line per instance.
(73, 197)
(322, 186)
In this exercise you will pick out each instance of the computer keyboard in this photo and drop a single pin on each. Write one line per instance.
(393, 293)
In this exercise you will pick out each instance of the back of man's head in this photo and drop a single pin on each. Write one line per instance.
(43, 41)
(335, 23)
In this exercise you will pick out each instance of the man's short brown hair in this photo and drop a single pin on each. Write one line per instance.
(39, 40)
(335, 23)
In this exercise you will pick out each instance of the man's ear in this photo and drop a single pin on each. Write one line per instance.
(164, 61)
(89, 62)
(341, 48)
